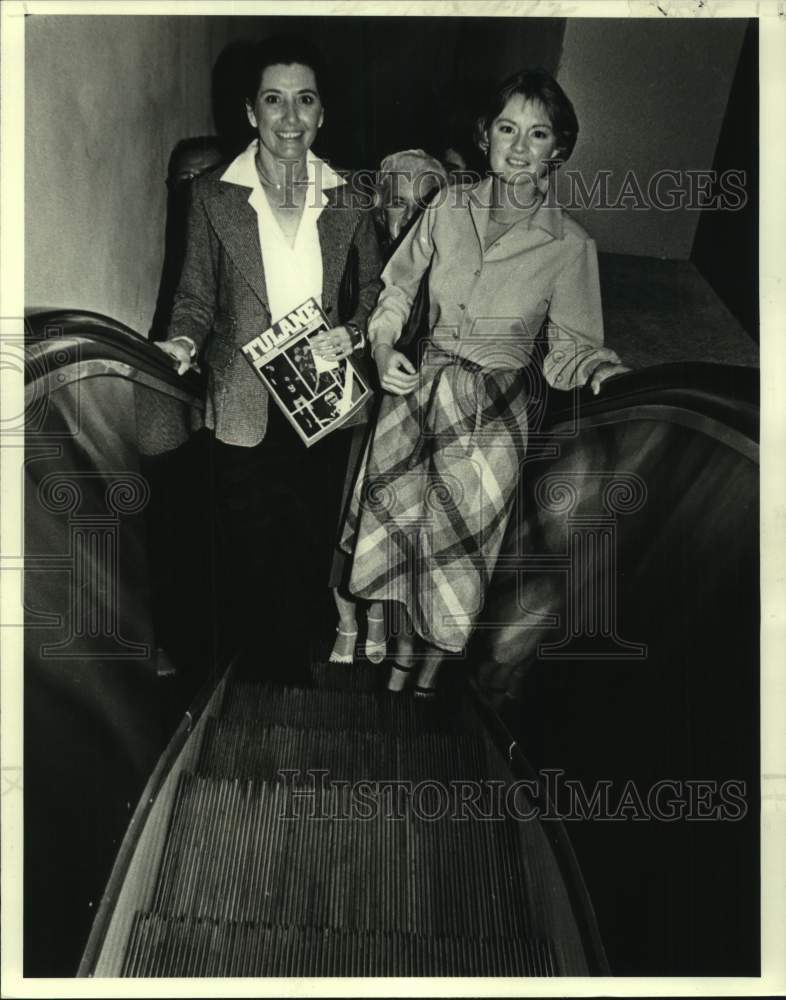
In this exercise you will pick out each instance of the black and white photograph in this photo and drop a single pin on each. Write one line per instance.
(432, 653)
(285, 379)
(303, 363)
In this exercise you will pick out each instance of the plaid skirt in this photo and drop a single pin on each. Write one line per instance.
(434, 494)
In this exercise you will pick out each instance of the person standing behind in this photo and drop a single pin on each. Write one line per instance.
(406, 181)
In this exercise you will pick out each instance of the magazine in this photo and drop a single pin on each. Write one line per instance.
(315, 395)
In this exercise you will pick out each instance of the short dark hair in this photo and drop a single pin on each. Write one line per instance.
(200, 144)
(283, 50)
(535, 85)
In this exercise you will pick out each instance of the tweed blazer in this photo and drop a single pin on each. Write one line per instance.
(222, 302)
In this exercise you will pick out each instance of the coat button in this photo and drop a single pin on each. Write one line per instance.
(477, 273)
(462, 306)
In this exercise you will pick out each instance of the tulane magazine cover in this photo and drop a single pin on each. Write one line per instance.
(315, 395)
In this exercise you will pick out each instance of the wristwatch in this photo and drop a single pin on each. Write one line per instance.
(357, 335)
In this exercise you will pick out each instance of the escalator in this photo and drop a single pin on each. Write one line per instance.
(235, 824)
(314, 836)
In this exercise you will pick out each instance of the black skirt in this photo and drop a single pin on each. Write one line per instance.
(279, 508)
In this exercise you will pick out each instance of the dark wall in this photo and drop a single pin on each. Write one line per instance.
(396, 83)
(650, 96)
(726, 246)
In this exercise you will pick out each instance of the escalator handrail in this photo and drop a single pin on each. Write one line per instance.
(136, 827)
(726, 394)
(554, 830)
(100, 338)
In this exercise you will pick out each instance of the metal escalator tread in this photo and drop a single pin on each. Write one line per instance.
(359, 676)
(264, 752)
(311, 708)
(263, 852)
(169, 946)
(267, 874)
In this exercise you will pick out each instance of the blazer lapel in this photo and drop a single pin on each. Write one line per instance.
(236, 225)
(335, 226)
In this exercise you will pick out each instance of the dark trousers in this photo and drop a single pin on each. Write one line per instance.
(278, 505)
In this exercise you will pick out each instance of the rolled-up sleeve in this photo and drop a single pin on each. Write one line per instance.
(575, 323)
(401, 280)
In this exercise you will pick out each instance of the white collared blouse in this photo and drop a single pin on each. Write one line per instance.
(292, 273)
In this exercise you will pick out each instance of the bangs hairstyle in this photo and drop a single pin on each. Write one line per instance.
(282, 50)
(535, 85)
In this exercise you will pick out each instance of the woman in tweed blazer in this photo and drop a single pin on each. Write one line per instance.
(273, 229)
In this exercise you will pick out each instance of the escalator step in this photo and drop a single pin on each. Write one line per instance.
(233, 749)
(176, 946)
(308, 708)
(342, 857)
(359, 676)
(363, 675)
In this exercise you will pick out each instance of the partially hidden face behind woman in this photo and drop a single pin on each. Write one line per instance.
(287, 111)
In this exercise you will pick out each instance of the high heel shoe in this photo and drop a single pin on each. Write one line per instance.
(375, 650)
(337, 656)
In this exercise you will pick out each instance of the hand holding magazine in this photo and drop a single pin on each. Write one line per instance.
(315, 395)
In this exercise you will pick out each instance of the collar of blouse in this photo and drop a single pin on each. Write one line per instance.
(547, 217)
(321, 176)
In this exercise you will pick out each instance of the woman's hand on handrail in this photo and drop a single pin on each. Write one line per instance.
(183, 353)
(606, 369)
(397, 374)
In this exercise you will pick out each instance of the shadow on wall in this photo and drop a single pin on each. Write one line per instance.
(229, 112)
(190, 158)
(733, 274)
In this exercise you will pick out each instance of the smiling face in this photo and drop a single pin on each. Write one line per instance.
(287, 111)
(520, 141)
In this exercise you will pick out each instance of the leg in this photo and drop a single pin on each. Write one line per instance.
(404, 656)
(344, 646)
(427, 676)
(376, 646)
